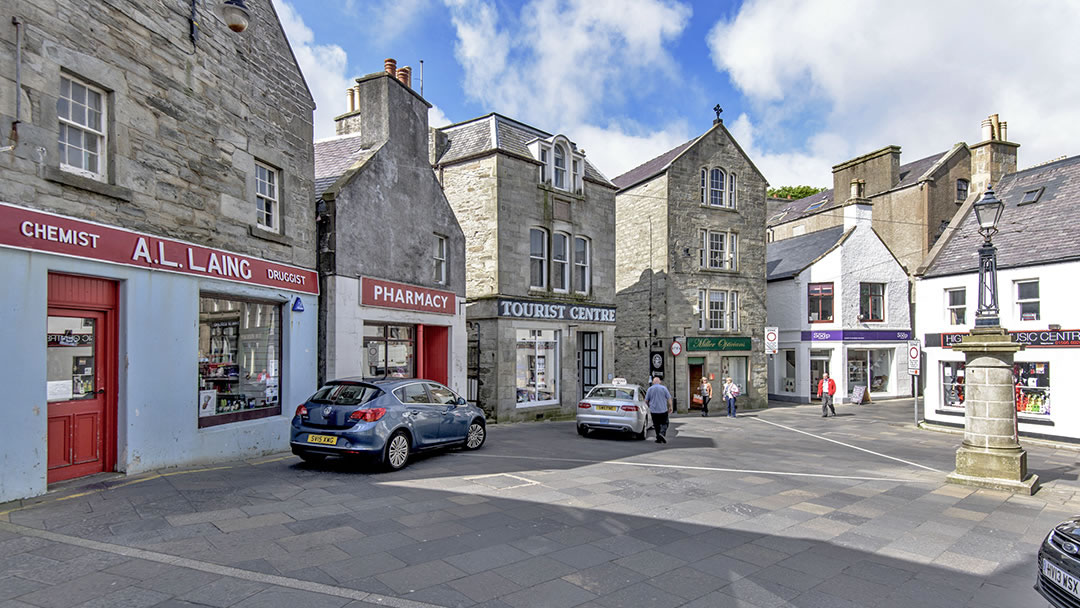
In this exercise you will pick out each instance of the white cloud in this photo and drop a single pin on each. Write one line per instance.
(923, 77)
(386, 20)
(559, 61)
(436, 117)
(324, 67)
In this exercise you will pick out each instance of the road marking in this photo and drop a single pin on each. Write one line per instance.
(695, 468)
(184, 562)
(848, 445)
(524, 481)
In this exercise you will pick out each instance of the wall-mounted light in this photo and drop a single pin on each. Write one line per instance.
(234, 13)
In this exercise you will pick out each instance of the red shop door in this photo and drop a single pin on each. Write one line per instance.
(81, 376)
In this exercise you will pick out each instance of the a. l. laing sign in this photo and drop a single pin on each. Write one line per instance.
(556, 311)
(856, 335)
(1057, 338)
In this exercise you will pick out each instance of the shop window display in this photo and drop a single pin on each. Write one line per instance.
(389, 351)
(870, 368)
(1031, 381)
(239, 368)
(537, 367)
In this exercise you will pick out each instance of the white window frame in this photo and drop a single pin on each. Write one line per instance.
(439, 260)
(718, 310)
(951, 308)
(731, 190)
(703, 309)
(559, 172)
(576, 165)
(543, 165)
(66, 124)
(560, 268)
(1020, 302)
(726, 254)
(704, 185)
(269, 197)
(583, 275)
(716, 191)
(542, 258)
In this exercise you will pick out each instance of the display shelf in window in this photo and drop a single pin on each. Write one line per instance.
(1032, 388)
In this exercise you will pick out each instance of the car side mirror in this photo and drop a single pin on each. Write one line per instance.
(460, 401)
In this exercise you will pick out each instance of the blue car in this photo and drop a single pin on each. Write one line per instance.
(386, 419)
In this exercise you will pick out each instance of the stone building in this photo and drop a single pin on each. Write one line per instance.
(391, 253)
(157, 222)
(539, 232)
(690, 253)
(913, 202)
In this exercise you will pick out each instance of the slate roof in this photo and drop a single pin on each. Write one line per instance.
(474, 137)
(332, 158)
(789, 257)
(910, 174)
(1042, 232)
(650, 168)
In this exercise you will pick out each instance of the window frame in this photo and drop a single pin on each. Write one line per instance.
(820, 298)
(275, 200)
(718, 310)
(560, 268)
(716, 194)
(966, 189)
(732, 190)
(440, 262)
(727, 251)
(559, 172)
(542, 258)
(543, 165)
(867, 312)
(704, 186)
(65, 124)
(951, 308)
(1020, 302)
(584, 283)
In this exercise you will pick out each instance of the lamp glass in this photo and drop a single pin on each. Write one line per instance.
(234, 13)
(988, 210)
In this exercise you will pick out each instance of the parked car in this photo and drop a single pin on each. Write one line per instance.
(1059, 565)
(386, 419)
(617, 406)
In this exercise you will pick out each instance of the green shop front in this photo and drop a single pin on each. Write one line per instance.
(713, 358)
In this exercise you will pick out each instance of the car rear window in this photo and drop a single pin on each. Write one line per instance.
(606, 392)
(346, 394)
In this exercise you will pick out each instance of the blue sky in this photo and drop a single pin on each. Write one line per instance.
(804, 84)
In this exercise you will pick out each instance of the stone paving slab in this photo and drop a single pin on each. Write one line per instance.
(775, 508)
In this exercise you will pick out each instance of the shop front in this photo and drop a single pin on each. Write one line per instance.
(869, 362)
(128, 352)
(537, 359)
(1042, 408)
(713, 358)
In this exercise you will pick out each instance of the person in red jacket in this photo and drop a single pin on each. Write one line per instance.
(826, 388)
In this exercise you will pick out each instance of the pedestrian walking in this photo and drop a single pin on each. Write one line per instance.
(826, 388)
(660, 405)
(731, 392)
(706, 396)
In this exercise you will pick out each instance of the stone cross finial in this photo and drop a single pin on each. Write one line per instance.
(718, 110)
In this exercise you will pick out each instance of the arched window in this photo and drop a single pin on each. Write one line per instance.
(538, 258)
(731, 191)
(716, 188)
(560, 167)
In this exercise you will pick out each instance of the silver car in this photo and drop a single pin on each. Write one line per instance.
(617, 407)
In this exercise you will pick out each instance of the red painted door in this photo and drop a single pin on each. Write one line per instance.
(80, 375)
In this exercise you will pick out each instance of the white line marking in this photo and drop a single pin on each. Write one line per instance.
(694, 468)
(847, 445)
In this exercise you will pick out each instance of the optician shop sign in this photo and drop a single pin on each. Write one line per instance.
(556, 311)
(710, 343)
(856, 335)
(388, 294)
(1057, 338)
(22, 228)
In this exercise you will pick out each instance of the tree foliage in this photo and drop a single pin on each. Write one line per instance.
(795, 192)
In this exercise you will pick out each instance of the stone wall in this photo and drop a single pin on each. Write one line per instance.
(186, 123)
(880, 170)
(471, 188)
(942, 203)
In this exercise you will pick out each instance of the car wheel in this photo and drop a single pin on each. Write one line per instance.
(396, 452)
(477, 435)
(310, 458)
(581, 430)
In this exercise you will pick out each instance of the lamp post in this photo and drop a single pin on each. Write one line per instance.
(990, 455)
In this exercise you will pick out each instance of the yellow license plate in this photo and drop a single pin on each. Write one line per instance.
(606, 408)
(324, 439)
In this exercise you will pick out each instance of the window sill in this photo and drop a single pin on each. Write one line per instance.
(719, 270)
(580, 196)
(67, 178)
(266, 235)
(950, 412)
(719, 208)
(820, 321)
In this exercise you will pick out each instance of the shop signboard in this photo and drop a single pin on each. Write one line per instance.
(388, 294)
(856, 335)
(1057, 338)
(700, 343)
(27, 229)
(656, 364)
(556, 311)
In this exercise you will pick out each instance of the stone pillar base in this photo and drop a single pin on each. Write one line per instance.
(997, 469)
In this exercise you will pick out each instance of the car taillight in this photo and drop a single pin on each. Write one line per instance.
(584, 405)
(368, 415)
(629, 408)
(301, 410)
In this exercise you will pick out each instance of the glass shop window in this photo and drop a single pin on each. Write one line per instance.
(952, 383)
(239, 362)
(870, 368)
(389, 351)
(537, 367)
(1032, 382)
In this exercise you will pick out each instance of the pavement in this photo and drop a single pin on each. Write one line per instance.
(778, 507)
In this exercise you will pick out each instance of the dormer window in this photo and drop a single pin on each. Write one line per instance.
(560, 168)
(543, 165)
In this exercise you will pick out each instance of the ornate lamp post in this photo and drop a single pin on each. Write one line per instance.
(990, 455)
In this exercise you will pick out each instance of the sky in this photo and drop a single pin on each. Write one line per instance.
(804, 84)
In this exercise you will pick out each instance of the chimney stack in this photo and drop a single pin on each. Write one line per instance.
(994, 157)
(404, 76)
(390, 65)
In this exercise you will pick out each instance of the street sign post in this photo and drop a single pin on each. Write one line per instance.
(914, 363)
(772, 340)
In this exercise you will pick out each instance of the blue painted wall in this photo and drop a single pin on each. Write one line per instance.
(158, 370)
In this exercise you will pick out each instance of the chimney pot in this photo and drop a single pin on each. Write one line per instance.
(987, 130)
(390, 65)
(404, 76)
(996, 126)
(351, 96)
(1004, 128)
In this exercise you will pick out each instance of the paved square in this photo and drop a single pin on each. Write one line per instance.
(774, 508)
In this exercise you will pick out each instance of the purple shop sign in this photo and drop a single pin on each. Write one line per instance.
(856, 335)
